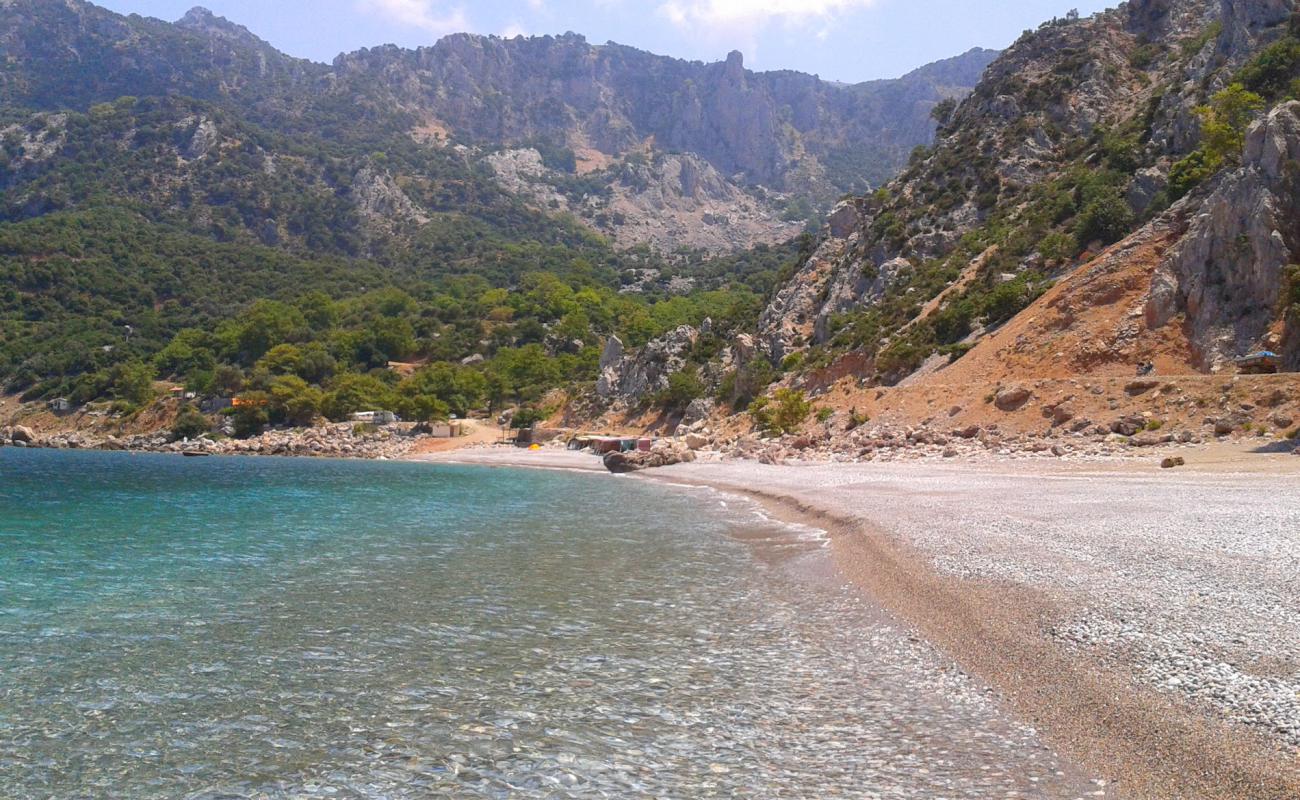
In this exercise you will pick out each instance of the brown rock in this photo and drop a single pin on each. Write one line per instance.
(1012, 398)
(1138, 387)
(1171, 462)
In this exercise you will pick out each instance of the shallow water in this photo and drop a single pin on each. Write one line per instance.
(281, 628)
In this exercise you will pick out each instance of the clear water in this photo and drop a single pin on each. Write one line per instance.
(229, 628)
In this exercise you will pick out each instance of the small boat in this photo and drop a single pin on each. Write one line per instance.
(195, 454)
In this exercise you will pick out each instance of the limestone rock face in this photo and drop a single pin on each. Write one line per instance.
(668, 200)
(1224, 276)
(914, 246)
(626, 376)
(381, 200)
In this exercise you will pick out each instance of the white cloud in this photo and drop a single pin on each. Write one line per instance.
(427, 15)
(749, 15)
(514, 29)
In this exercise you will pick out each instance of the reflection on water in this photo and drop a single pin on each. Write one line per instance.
(253, 628)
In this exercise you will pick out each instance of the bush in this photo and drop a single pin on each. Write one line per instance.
(132, 382)
(526, 417)
(1058, 247)
(1106, 218)
(683, 387)
(1188, 173)
(857, 419)
(189, 424)
(1224, 122)
(784, 413)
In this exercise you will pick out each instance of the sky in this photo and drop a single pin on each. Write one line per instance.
(844, 40)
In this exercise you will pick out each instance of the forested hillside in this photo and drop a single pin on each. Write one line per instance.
(182, 202)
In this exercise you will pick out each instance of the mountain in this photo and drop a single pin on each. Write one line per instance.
(1114, 192)
(645, 149)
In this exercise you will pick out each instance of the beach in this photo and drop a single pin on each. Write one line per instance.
(1145, 618)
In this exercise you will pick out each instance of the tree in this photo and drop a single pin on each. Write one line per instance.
(424, 408)
(283, 359)
(132, 381)
(458, 389)
(943, 111)
(293, 401)
(263, 326)
(1224, 122)
(189, 424)
(350, 393)
(251, 415)
(227, 380)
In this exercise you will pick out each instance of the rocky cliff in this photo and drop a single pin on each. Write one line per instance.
(1081, 135)
(646, 149)
(786, 130)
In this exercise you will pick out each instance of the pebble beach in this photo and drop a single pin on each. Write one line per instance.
(1147, 618)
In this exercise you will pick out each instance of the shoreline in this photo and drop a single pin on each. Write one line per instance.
(1092, 706)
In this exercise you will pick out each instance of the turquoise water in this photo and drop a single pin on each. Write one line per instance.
(221, 628)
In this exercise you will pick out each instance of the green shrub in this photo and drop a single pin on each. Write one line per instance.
(683, 387)
(1058, 247)
(189, 424)
(526, 417)
(1271, 71)
(1188, 173)
(784, 412)
(1224, 122)
(1106, 218)
(824, 413)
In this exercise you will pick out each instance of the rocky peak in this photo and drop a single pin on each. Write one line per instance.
(201, 20)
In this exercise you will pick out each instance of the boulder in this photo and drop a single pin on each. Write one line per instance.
(699, 410)
(696, 441)
(1062, 414)
(1171, 462)
(22, 434)
(1012, 398)
(1135, 388)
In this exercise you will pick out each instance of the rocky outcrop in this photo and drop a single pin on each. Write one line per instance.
(663, 453)
(1223, 278)
(382, 201)
(945, 230)
(665, 201)
(630, 377)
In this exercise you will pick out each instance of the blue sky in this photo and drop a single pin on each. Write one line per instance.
(849, 40)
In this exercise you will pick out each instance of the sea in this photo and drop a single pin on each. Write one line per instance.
(281, 628)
